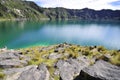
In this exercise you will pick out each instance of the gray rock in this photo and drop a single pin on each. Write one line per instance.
(84, 60)
(56, 72)
(44, 72)
(9, 71)
(101, 70)
(40, 73)
(70, 68)
(31, 74)
(65, 69)
(46, 48)
(59, 49)
(9, 55)
(12, 63)
(77, 66)
(14, 73)
(54, 56)
(11, 59)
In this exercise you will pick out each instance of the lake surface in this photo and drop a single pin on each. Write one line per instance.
(21, 34)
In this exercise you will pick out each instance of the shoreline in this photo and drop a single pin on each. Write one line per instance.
(47, 45)
(48, 19)
(24, 19)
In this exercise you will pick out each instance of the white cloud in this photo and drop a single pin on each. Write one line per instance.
(78, 4)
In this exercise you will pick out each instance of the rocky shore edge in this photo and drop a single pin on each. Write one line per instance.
(60, 62)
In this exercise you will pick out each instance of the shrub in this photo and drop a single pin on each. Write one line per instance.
(2, 75)
(101, 48)
(115, 60)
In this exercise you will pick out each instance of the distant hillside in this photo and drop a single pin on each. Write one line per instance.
(83, 14)
(11, 9)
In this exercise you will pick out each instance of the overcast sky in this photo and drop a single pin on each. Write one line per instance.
(79, 4)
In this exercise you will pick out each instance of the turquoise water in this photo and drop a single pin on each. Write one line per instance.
(21, 34)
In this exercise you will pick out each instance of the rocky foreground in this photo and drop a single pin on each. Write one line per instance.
(60, 62)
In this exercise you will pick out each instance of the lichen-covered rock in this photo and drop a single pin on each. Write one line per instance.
(70, 68)
(14, 73)
(39, 73)
(66, 70)
(11, 59)
(101, 70)
(54, 56)
(9, 55)
(12, 63)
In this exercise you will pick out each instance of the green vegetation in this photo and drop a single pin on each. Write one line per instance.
(2, 75)
(17, 9)
(93, 53)
(20, 9)
(50, 55)
(41, 54)
(38, 57)
(115, 59)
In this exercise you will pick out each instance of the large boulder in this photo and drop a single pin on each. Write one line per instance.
(14, 73)
(9, 55)
(12, 63)
(66, 70)
(11, 59)
(70, 68)
(39, 73)
(101, 70)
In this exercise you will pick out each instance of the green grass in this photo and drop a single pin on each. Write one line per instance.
(115, 59)
(39, 56)
(2, 75)
(8, 11)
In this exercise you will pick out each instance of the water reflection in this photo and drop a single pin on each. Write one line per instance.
(19, 34)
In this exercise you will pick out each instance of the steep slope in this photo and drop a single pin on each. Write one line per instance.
(89, 14)
(57, 13)
(83, 14)
(11, 9)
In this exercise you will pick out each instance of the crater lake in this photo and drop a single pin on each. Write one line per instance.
(22, 34)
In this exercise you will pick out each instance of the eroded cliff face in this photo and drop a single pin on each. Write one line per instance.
(60, 62)
(12, 9)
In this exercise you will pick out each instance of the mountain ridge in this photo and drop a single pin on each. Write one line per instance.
(30, 10)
